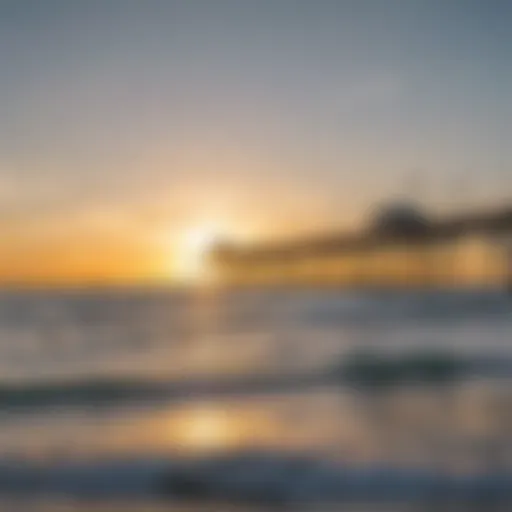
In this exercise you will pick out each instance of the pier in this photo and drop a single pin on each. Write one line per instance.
(400, 247)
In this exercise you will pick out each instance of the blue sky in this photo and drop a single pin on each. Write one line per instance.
(156, 113)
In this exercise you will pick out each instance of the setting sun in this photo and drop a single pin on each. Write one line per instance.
(193, 248)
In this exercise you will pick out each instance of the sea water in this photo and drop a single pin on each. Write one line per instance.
(103, 392)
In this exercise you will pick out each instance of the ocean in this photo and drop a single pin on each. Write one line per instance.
(109, 397)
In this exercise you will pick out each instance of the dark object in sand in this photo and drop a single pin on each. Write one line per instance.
(250, 478)
(187, 485)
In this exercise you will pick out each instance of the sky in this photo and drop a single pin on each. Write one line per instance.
(124, 124)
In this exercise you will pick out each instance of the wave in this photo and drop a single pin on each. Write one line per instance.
(357, 368)
(102, 391)
(95, 391)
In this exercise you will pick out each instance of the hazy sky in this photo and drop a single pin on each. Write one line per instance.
(125, 121)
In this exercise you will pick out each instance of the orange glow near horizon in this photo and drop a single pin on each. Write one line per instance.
(176, 256)
(84, 253)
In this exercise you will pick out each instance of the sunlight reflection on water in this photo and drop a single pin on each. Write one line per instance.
(461, 428)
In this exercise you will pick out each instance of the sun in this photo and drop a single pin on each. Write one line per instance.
(200, 240)
(192, 252)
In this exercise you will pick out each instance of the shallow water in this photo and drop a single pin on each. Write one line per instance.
(138, 355)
